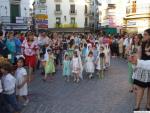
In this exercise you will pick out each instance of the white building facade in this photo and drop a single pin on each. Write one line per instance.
(113, 13)
(73, 15)
(137, 17)
(15, 14)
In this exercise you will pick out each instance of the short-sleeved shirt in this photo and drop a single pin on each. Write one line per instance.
(29, 49)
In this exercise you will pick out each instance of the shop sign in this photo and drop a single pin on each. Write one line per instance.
(42, 21)
(41, 16)
(131, 23)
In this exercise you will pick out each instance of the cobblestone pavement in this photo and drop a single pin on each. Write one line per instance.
(109, 95)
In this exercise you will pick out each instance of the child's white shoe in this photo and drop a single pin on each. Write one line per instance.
(90, 76)
(26, 102)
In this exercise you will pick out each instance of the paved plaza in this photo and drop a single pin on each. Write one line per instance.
(109, 95)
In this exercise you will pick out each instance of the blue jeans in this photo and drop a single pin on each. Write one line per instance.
(11, 99)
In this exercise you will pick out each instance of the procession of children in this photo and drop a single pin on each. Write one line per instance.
(79, 56)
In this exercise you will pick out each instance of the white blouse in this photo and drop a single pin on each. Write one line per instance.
(144, 64)
(9, 83)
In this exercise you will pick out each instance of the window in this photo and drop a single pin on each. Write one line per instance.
(86, 21)
(58, 20)
(15, 12)
(72, 8)
(57, 7)
(86, 9)
(73, 20)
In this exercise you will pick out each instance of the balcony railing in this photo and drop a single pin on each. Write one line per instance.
(73, 12)
(5, 19)
(58, 12)
(15, 1)
(71, 0)
(58, 0)
(71, 25)
(138, 10)
(17, 20)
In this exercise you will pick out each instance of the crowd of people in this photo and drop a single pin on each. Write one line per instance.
(79, 55)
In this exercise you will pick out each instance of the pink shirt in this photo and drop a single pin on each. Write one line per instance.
(29, 49)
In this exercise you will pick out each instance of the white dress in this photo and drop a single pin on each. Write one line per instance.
(75, 65)
(90, 65)
(98, 64)
(20, 75)
(80, 62)
(107, 54)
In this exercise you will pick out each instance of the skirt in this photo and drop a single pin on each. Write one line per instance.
(141, 77)
(30, 61)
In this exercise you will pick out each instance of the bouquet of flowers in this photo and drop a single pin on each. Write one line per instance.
(3, 60)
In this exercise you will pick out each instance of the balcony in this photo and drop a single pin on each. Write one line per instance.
(71, 25)
(88, 1)
(5, 19)
(57, 0)
(71, 0)
(15, 1)
(58, 12)
(73, 12)
(16, 23)
(15, 20)
(111, 6)
(138, 11)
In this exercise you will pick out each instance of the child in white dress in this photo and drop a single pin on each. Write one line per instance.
(21, 81)
(100, 63)
(76, 67)
(90, 64)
